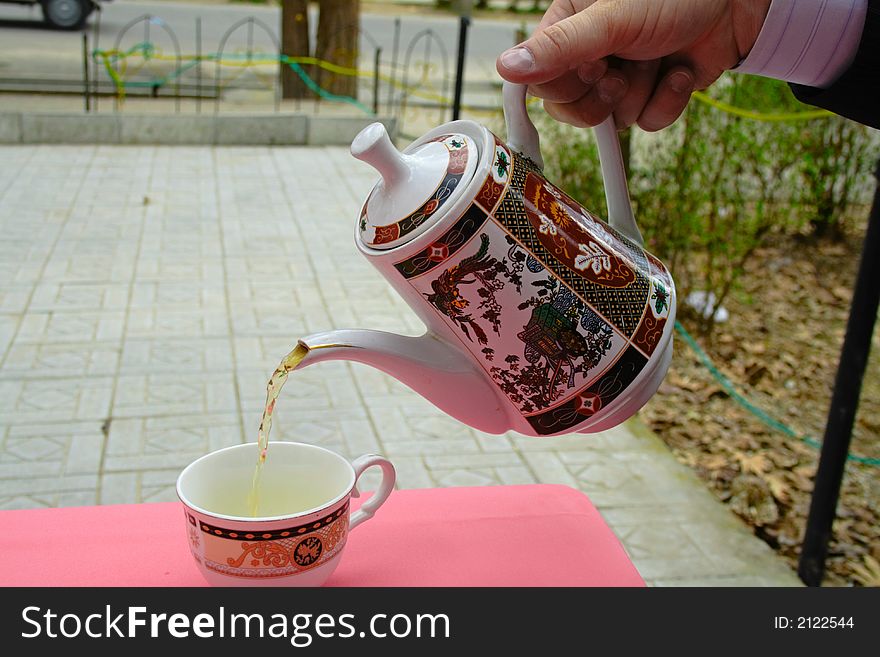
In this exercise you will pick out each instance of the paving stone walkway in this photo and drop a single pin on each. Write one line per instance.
(147, 292)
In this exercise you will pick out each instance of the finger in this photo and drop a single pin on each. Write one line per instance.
(557, 11)
(564, 89)
(586, 36)
(594, 107)
(669, 99)
(571, 85)
(641, 78)
(591, 72)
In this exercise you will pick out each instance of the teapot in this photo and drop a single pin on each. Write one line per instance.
(541, 317)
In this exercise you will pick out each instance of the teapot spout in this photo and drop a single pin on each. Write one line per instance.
(437, 371)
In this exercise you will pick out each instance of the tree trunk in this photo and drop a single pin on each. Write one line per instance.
(294, 43)
(337, 43)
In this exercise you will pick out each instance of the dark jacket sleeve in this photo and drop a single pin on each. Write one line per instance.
(854, 94)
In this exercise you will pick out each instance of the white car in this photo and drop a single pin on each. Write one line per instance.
(63, 14)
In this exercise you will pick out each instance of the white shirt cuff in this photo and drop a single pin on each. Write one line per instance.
(808, 42)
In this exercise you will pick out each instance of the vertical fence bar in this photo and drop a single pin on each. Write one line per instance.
(395, 46)
(177, 73)
(844, 402)
(426, 69)
(198, 64)
(278, 82)
(376, 58)
(146, 54)
(95, 83)
(299, 97)
(86, 72)
(250, 39)
(217, 77)
(463, 24)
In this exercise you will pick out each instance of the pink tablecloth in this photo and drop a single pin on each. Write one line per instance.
(537, 535)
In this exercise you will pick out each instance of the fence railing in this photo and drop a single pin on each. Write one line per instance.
(146, 59)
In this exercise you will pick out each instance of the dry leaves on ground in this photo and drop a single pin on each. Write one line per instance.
(780, 347)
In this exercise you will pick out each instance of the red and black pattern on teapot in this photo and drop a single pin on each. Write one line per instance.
(561, 310)
(542, 318)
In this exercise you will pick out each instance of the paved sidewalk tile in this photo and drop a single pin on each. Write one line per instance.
(55, 399)
(147, 293)
(145, 395)
(171, 441)
(50, 327)
(34, 360)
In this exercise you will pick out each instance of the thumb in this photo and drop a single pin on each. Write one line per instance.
(583, 37)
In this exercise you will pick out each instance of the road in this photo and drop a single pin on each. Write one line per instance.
(27, 49)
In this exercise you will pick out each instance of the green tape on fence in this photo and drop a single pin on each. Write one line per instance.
(148, 50)
(323, 93)
(759, 413)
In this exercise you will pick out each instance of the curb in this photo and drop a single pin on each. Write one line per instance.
(281, 129)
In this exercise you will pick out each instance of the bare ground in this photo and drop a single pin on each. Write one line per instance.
(780, 348)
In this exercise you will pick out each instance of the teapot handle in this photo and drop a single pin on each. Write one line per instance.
(620, 212)
(521, 133)
(523, 137)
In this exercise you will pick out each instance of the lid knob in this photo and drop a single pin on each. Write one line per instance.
(417, 186)
(373, 146)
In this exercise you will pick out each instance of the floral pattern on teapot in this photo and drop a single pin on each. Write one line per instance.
(560, 310)
(567, 239)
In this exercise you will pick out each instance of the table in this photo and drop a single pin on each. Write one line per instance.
(532, 535)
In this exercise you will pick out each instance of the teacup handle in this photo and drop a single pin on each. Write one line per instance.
(523, 138)
(368, 508)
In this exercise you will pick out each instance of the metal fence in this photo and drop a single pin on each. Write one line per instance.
(145, 59)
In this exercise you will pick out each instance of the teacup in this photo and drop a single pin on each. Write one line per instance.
(303, 523)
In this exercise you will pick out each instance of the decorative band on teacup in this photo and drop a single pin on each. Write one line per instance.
(275, 534)
(268, 554)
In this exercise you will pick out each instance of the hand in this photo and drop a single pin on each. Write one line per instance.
(640, 59)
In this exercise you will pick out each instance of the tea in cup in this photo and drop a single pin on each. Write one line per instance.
(303, 518)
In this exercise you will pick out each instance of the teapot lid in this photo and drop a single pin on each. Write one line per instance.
(415, 184)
